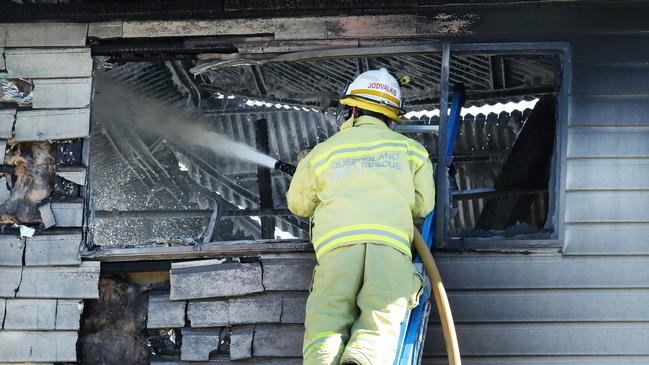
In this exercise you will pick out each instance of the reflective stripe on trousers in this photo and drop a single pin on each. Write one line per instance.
(321, 340)
(363, 233)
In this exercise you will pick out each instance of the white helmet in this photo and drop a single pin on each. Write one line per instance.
(377, 91)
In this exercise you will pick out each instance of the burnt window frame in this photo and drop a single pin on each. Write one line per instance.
(209, 247)
(445, 48)
(557, 188)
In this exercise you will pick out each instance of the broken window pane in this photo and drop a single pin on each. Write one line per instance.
(503, 162)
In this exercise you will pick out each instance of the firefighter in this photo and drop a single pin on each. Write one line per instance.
(362, 187)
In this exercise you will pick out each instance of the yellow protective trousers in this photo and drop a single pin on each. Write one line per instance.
(359, 297)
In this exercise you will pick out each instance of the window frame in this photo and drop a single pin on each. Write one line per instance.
(556, 240)
(562, 49)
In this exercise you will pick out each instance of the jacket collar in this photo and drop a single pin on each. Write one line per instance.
(363, 120)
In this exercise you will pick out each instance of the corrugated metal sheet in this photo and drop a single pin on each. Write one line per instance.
(293, 128)
(320, 82)
(485, 142)
(289, 133)
(233, 180)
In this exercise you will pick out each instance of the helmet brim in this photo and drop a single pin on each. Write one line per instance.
(371, 105)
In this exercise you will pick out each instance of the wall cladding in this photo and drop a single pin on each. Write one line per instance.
(608, 151)
(539, 308)
(43, 281)
(608, 96)
(502, 315)
(261, 321)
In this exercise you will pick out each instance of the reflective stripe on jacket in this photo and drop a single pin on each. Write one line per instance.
(364, 184)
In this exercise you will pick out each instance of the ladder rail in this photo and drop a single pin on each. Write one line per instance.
(413, 329)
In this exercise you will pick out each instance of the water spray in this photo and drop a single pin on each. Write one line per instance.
(117, 103)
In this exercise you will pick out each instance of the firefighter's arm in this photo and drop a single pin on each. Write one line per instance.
(424, 190)
(301, 196)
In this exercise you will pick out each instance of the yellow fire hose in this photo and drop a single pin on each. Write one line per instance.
(441, 300)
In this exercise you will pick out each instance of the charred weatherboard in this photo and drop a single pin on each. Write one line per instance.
(35, 167)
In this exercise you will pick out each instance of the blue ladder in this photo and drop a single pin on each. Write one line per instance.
(414, 326)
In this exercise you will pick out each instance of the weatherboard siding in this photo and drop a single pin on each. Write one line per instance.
(583, 304)
(588, 303)
(608, 149)
(545, 339)
(42, 280)
(607, 238)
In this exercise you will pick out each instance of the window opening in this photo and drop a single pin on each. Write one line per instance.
(150, 189)
(502, 180)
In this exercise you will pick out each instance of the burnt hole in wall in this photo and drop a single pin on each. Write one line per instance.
(29, 178)
(30, 182)
(224, 342)
(64, 188)
(113, 327)
(16, 92)
(249, 259)
(164, 342)
(69, 153)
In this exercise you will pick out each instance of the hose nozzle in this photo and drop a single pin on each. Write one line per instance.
(285, 167)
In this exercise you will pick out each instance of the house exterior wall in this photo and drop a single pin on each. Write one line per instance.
(583, 304)
(43, 281)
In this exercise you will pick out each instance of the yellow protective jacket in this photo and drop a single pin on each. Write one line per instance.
(363, 184)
